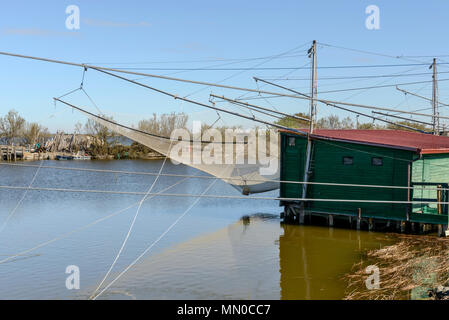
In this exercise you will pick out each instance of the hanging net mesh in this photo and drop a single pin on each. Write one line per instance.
(236, 162)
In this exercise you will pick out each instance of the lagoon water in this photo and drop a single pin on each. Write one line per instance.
(210, 253)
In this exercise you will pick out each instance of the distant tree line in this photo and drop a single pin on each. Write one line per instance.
(15, 129)
(108, 142)
(335, 122)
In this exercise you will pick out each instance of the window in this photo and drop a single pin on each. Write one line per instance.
(375, 161)
(291, 141)
(348, 161)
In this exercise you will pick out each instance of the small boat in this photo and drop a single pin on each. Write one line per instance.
(81, 157)
(63, 157)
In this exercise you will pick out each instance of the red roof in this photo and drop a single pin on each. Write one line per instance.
(398, 139)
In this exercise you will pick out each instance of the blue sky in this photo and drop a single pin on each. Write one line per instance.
(200, 34)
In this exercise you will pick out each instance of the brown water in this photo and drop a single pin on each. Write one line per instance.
(211, 253)
(257, 258)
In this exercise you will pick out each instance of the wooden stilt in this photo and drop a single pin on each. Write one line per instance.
(370, 224)
(359, 218)
(402, 226)
(301, 215)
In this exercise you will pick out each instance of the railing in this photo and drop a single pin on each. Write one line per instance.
(442, 195)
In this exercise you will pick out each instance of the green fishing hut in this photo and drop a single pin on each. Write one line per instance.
(410, 171)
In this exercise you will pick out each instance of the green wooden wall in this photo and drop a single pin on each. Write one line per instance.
(293, 157)
(328, 167)
(429, 168)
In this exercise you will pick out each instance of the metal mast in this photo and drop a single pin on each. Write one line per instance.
(435, 113)
(312, 55)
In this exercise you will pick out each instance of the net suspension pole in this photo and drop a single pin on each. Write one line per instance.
(435, 115)
(312, 55)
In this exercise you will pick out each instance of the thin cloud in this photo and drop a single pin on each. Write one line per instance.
(114, 24)
(186, 47)
(37, 32)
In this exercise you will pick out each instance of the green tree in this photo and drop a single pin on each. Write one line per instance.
(415, 125)
(34, 133)
(294, 123)
(11, 126)
(164, 124)
(334, 122)
(105, 138)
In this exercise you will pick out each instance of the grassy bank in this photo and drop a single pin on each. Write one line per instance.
(408, 269)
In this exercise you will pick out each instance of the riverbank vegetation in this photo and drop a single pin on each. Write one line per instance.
(412, 268)
(15, 129)
(91, 138)
(100, 142)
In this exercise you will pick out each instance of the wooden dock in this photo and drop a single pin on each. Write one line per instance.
(14, 153)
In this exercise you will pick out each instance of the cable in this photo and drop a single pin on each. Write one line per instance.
(246, 69)
(379, 86)
(180, 98)
(371, 53)
(355, 77)
(220, 196)
(246, 105)
(156, 241)
(21, 200)
(330, 102)
(208, 177)
(65, 235)
(131, 226)
(129, 128)
(156, 76)
(193, 61)
(276, 68)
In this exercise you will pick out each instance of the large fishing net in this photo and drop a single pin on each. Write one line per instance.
(240, 160)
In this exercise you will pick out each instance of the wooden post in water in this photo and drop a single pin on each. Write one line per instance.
(370, 224)
(359, 218)
(402, 226)
(331, 220)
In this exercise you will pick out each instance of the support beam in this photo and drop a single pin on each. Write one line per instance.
(419, 96)
(403, 118)
(252, 106)
(333, 104)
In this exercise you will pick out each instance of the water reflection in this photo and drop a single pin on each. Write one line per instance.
(254, 258)
(210, 254)
(314, 259)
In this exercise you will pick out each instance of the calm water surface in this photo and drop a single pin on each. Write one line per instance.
(211, 253)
